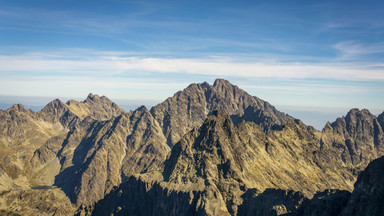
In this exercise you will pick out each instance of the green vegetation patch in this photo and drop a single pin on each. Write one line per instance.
(8, 213)
(42, 187)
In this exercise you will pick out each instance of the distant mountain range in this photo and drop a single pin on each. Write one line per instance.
(5, 106)
(207, 150)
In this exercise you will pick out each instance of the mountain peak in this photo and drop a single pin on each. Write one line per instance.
(17, 108)
(188, 108)
(54, 105)
(359, 133)
(141, 109)
(92, 97)
(327, 126)
(221, 82)
(357, 112)
(355, 116)
(221, 161)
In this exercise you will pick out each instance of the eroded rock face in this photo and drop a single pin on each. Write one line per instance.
(21, 133)
(355, 139)
(366, 199)
(380, 118)
(99, 108)
(271, 202)
(368, 196)
(38, 201)
(137, 197)
(95, 107)
(189, 108)
(235, 162)
(108, 152)
(245, 158)
(83, 148)
(326, 203)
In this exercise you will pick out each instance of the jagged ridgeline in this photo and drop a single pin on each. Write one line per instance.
(208, 150)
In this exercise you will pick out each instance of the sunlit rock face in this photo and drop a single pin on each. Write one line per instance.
(208, 150)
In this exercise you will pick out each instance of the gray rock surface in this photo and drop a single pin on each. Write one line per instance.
(222, 162)
(368, 196)
(189, 108)
(230, 164)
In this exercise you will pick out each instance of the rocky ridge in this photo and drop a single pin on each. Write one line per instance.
(368, 196)
(221, 162)
(76, 150)
(223, 169)
(189, 108)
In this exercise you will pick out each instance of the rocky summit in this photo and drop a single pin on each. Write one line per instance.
(189, 108)
(207, 150)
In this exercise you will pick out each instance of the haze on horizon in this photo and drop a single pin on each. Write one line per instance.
(299, 55)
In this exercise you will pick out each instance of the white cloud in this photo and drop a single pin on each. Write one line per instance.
(44, 65)
(81, 86)
(118, 75)
(349, 49)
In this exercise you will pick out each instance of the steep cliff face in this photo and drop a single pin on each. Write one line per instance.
(380, 118)
(366, 199)
(233, 154)
(58, 112)
(284, 159)
(355, 139)
(19, 126)
(241, 166)
(329, 202)
(21, 133)
(95, 156)
(98, 108)
(138, 197)
(189, 108)
(271, 202)
(368, 196)
(83, 148)
(37, 201)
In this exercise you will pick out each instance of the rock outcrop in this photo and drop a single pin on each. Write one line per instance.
(95, 156)
(21, 133)
(83, 149)
(271, 202)
(326, 203)
(229, 168)
(355, 139)
(189, 108)
(208, 150)
(368, 196)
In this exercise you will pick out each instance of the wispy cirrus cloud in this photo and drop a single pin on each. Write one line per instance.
(115, 65)
(130, 75)
(142, 29)
(350, 49)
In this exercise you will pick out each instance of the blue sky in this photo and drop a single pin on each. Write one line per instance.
(311, 55)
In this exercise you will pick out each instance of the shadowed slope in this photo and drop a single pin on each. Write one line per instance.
(222, 162)
(219, 163)
(368, 196)
(355, 139)
(188, 109)
(84, 148)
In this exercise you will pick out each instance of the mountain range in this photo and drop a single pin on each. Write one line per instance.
(207, 150)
